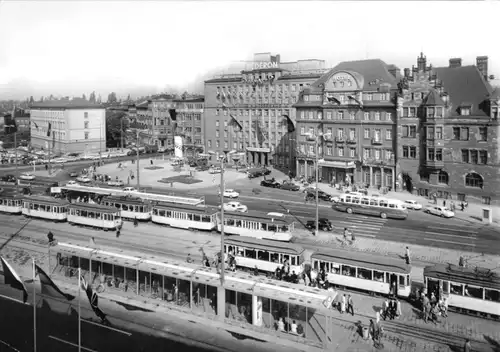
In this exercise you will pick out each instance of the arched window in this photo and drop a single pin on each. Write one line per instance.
(443, 177)
(474, 180)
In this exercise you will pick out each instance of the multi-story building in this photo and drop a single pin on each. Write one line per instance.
(190, 124)
(353, 108)
(260, 97)
(448, 131)
(68, 126)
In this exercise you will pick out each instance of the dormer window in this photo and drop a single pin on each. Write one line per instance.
(465, 110)
(306, 97)
(494, 112)
(369, 96)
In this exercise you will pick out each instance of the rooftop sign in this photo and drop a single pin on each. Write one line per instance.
(263, 65)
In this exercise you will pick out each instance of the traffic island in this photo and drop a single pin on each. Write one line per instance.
(154, 167)
(185, 179)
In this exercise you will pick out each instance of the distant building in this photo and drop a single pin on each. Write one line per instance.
(190, 124)
(448, 131)
(259, 95)
(353, 107)
(68, 126)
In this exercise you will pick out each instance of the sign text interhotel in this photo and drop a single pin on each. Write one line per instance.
(263, 64)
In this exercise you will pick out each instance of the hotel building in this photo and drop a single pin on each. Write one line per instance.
(259, 95)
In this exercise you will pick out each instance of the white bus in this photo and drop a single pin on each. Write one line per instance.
(369, 205)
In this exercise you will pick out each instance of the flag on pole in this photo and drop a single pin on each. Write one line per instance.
(173, 114)
(11, 278)
(49, 129)
(93, 299)
(34, 123)
(92, 242)
(49, 288)
(235, 122)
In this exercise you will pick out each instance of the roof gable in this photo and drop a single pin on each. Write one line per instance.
(433, 98)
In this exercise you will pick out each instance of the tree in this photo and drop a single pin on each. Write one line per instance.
(92, 98)
(113, 128)
(84, 97)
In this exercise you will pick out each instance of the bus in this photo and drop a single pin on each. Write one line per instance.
(370, 205)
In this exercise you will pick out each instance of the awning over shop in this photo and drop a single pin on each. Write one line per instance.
(338, 164)
(263, 150)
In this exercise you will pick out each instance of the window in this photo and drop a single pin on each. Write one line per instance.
(474, 156)
(341, 115)
(465, 111)
(377, 154)
(377, 116)
(443, 178)
(465, 155)
(341, 151)
(430, 132)
(352, 134)
(483, 157)
(217, 144)
(364, 274)
(306, 97)
(217, 113)
(492, 295)
(439, 154)
(424, 176)
(456, 289)
(369, 96)
(352, 152)
(367, 133)
(388, 155)
(430, 154)
(328, 115)
(85, 114)
(388, 116)
(86, 135)
(388, 135)
(311, 115)
(328, 150)
(311, 149)
(302, 130)
(464, 133)
(366, 116)
(366, 153)
(225, 134)
(225, 124)
(474, 180)
(483, 134)
(413, 131)
(405, 151)
(456, 133)
(352, 115)
(86, 124)
(439, 132)
(217, 134)
(413, 152)
(209, 144)
(217, 123)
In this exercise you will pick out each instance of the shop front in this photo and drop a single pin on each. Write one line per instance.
(338, 172)
(259, 156)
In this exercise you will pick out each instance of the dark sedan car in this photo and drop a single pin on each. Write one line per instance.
(270, 183)
(290, 187)
(323, 224)
(311, 195)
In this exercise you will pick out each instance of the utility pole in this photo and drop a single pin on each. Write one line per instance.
(137, 149)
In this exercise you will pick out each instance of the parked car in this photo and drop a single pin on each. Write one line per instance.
(27, 176)
(323, 224)
(73, 174)
(9, 178)
(230, 193)
(83, 179)
(321, 195)
(270, 183)
(287, 186)
(202, 168)
(235, 206)
(71, 183)
(116, 183)
(439, 211)
(413, 204)
(129, 189)
(215, 170)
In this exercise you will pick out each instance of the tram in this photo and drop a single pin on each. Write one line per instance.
(266, 255)
(184, 216)
(364, 271)
(130, 207)
(11, 203)
(258, 225)
(468, 290)
(94, 215)
(45, 207)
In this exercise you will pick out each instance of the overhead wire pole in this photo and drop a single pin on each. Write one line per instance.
(15, 154)
(137, 148)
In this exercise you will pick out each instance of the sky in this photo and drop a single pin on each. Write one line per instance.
(74, 47)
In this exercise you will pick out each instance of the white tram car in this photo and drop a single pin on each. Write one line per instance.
(11, 204)
(364, 271)
(258, 225)
(264, 254)
(130, 207)
(468, 290)
(45, 207)
(94, 215)
(184, 216)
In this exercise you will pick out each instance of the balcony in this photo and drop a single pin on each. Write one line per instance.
(351, 141)
(339, 139)
(434, 164)
(377, 141)
(379, 162)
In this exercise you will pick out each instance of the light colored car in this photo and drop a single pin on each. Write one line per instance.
(71, 183)
(439, 211)
(129, 189)
(83, 179)
(276, 215)
(27, 176)
(413, 204)
(116, 183)
(215, 170)
(230, 193)
(235, 206)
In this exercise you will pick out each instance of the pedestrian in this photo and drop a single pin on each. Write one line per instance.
(117, 233)
(350, 305)
(462, 205)
(407, 256)
(398, 308)
(372, 329)
(353, 238)
(151, 161)
(377, 315)
(136, 222)
(385, 308)
(467, 346)
(346, 232)
(444, 203)
(342, 304)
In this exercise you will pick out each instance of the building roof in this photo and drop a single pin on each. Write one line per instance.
(433, 98)
(224, 80)
(143, 105)
(495, 95)
(18, 112)
(76, 103)
(191, 100)
(464, 84)
(374, 71)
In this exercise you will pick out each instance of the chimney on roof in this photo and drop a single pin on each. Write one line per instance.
(482, 66)
(455, 62)
(421, 62)
(393, 70)
(407, 72)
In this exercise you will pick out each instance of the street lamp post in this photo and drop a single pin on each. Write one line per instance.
(15, 151)
(137, 155)
(221, 188)
(316, 140)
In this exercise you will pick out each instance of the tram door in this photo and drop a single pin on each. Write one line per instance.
(393, 281)
(432, 287)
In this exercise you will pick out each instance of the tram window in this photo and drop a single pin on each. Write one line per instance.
(355, 200)
(402, 280)
(272, 228)
(286, 258)
(491, 295)
(275, 257)
(348, 270)
(373, 202)
(40, 207)
(168, 213)
(378, 276)
(446, 287)
(364, 201)
(250, 253)
(239, 223)
(383, 203)
(473, 291)
(1, 201)
(456, 289)
(364, 274)
(196, 217)
(205, 218)
(190, 216)
(294, 260)
(347, 199)
(335, 269)
(263, 255)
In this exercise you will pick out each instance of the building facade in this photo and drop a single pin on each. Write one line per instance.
(448, 132)
(190, 124)
(259, 95)
(349, 115)
(68, 126)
